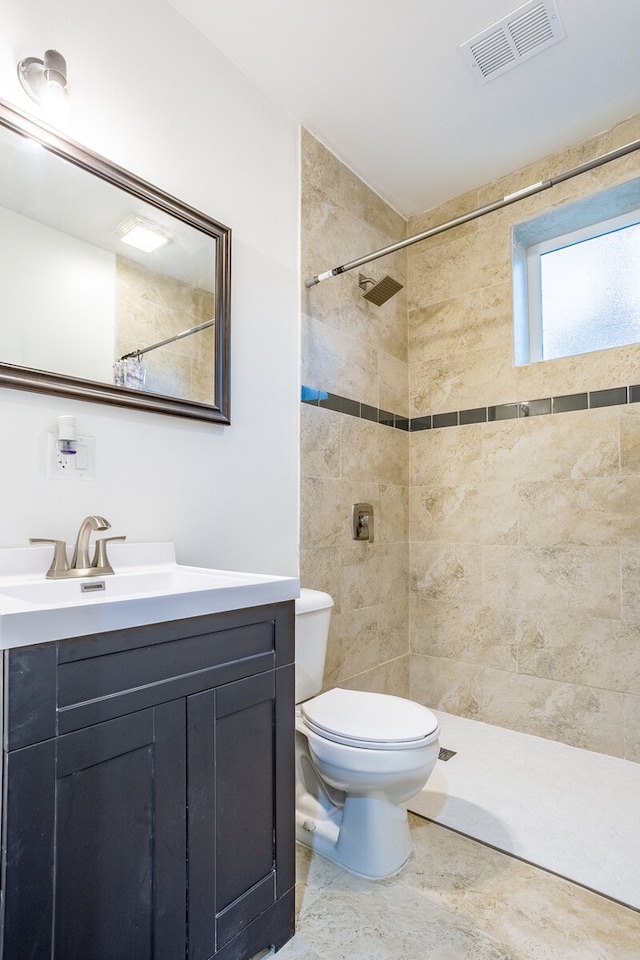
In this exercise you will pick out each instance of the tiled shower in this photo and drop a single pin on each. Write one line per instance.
(502, 584)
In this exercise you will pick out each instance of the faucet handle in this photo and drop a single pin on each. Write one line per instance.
(100, 559)
(60, 563)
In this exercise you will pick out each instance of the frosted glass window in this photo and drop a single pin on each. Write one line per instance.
(576, 276)
(590, 294)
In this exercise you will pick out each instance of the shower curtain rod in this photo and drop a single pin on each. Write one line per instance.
(163, 343)
(480, 212)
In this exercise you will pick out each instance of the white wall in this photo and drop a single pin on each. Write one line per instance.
(148, 92)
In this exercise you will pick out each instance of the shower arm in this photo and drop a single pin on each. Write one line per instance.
(479, 212)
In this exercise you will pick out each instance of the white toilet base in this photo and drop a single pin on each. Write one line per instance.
(367, 817)
(367, 835)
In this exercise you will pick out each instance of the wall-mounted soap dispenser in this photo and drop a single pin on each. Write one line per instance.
(362, 522)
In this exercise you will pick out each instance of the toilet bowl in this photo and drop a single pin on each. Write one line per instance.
(359, 757)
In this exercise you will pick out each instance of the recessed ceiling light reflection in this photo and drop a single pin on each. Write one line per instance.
(142, 234)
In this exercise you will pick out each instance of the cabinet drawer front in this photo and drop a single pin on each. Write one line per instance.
(124, 672)
(103, 687)
(61, 687)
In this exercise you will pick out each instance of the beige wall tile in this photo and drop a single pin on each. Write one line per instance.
(460, 382)
(393, 381)
(453, 455)
(501, 577)
(371, 451)
(374, 574)
(320, 432)
(446, 571)
(496, 318)
(573, 445)
(464, 632)
(582, 579)
(319, 570)
(575, 648)
(447, 685)
(601, 511)
(582, 716)
(342, 218)
(630, 586)
(335, 361)
(354, 643)
(334, 303)
(483, 512)
(357, 196)
(447, 326)
(320, 167)
(586, 579)
(392, 521)
(450, 210)
(632, 728)
(439, 271)
(630, 440)
(599, 370)
(355, 349)
(365, 637)
(391, 677)
(326, 510)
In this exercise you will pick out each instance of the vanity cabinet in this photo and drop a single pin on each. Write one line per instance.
(148, 791)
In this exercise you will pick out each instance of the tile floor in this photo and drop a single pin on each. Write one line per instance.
(455, 899)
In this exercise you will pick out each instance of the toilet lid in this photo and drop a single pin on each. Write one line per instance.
(374, 718)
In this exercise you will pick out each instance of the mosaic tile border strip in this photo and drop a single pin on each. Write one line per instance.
(589, 400)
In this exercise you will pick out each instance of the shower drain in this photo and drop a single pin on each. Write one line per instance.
(446, 754)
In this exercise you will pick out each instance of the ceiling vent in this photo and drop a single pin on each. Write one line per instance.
(517, 37)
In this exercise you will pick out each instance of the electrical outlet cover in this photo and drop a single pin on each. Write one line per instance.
(66, 466)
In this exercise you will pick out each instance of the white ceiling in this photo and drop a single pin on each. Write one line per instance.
(384, 84)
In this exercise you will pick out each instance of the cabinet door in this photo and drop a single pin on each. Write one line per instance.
(232, 760)
(95, 870)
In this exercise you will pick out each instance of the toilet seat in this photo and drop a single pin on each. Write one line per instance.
(373, 721)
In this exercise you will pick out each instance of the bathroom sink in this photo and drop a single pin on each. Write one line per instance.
(148, 586)
(55, 593)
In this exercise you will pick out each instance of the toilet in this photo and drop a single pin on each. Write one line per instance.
(359, 758)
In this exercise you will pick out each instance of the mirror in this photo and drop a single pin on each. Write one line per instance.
(86, 314)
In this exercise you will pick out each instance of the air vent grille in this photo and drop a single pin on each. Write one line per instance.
(517, 37)
(493, 53)
(531, 30)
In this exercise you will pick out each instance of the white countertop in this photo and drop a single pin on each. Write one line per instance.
(147, 586)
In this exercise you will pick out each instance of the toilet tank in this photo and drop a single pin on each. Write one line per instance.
(313, 613)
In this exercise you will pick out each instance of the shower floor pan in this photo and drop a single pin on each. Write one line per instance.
(570, 811)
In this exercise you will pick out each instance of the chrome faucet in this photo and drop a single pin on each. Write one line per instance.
(80, 565)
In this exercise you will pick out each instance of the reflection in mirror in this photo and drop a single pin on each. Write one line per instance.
(89, 310)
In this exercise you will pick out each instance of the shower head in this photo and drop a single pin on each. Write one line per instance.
(378, 292)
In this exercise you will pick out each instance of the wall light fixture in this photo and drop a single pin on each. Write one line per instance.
(45, 81)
